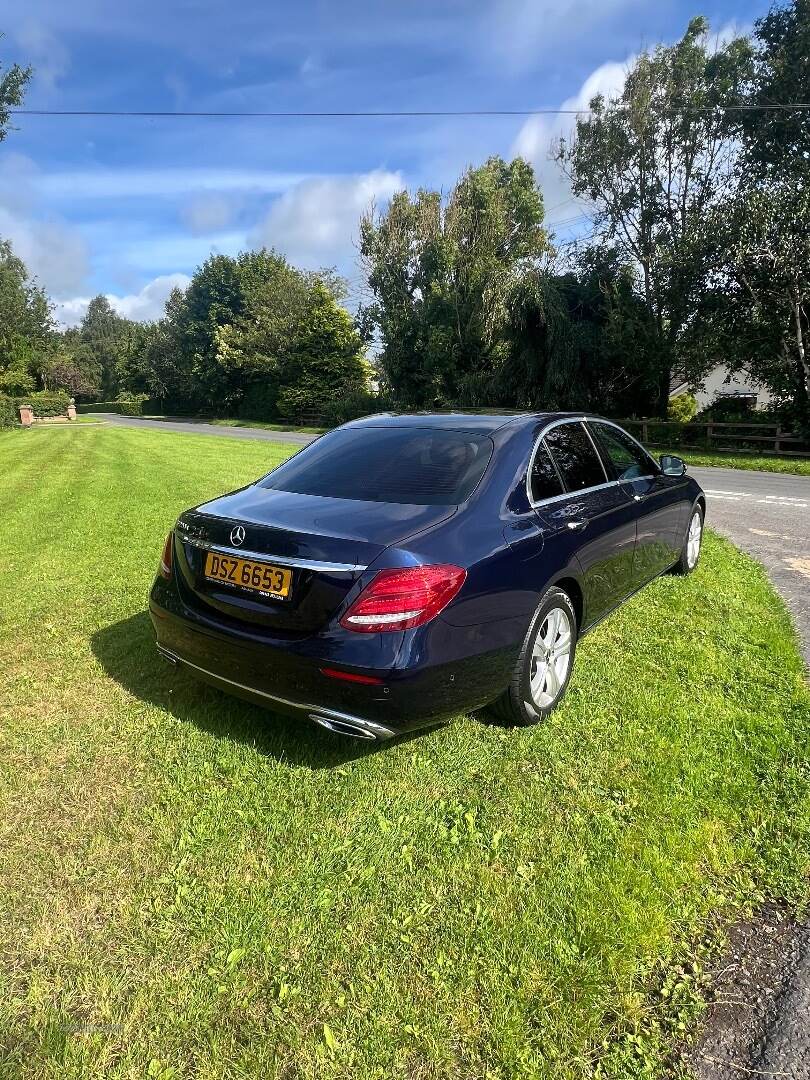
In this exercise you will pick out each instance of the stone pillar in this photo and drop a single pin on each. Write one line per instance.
(26, 415)
(71, 412)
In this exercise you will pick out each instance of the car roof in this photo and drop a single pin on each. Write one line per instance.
(461, 420)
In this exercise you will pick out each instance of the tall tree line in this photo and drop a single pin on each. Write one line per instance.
(699, 252)
(699, 194)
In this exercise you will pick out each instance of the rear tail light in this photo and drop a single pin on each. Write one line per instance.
(166, 557)
(400, 599)
(351, 676)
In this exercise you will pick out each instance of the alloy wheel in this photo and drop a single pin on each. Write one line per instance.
(551, 657)
(693, 540)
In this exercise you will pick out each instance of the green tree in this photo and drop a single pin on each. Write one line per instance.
(13, 81)
(578, 340)
(654, 161)
(294, 348)
(755, 312)
(759, 308)
(255, 345)
(326, 359)
(25, 326)
(103, 340)
(777, 141)
(441, 271)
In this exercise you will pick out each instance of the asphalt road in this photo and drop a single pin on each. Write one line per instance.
(767, 515)
(199, 427)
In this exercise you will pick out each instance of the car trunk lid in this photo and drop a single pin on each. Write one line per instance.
(326, 543)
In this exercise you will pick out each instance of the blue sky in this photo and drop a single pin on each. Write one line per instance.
(129, 207)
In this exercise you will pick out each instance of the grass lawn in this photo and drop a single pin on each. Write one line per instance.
(192, 887)
(754, 462)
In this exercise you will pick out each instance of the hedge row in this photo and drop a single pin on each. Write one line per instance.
(9, 413)
(46, 402)
(122, 408)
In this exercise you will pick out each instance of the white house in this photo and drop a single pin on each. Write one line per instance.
(720, 383)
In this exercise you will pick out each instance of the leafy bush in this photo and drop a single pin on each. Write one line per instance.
(682, 408)
(260, 402)
(15, 382)
(9, 413)
(130, 407)
(46, 402)
(353, 405)
(731, 407)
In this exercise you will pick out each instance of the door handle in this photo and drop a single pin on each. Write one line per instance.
(576, 526)
(638, 498)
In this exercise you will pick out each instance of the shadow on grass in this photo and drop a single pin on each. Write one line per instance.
(126, 651)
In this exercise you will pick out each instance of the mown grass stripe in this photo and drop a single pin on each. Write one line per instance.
(188, 881)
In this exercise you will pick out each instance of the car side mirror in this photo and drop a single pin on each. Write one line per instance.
(672, 466)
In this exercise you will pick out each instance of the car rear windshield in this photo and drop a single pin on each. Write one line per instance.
(420, 466)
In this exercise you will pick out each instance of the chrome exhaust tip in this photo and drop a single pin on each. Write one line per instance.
(342, 727)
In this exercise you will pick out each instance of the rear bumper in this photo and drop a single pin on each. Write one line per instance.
(339, 722)
(286, 676)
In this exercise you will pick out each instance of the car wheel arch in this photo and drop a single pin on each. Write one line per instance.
(573, 590)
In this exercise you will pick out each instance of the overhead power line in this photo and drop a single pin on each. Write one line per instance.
(153, 114)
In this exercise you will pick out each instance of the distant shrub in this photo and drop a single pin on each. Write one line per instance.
(682, 408)
(260, 402)
(9, 413)
(728, 408)
(351, 406)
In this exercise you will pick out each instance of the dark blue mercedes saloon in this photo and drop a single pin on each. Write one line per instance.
(404, 568)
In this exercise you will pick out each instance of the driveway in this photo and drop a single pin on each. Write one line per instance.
(764, 1030)
(767, 515)
(199, 427)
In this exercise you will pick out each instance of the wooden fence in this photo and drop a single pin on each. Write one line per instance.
(714, 435)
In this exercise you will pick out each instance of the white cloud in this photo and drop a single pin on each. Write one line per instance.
(209, 213)
(53, 252)
(46, 53)
(143, 306)
(536, 138)
(168, 183)
(518, 32)
(315, 222)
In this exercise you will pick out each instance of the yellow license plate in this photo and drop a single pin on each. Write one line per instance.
(260, 577)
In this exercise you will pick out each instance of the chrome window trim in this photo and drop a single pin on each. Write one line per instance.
(573, 494)
(276, 560)
(566, 494)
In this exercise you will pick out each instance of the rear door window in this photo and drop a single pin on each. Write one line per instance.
(627, 458)
(574, 455)
(418, 466)
(544, 481)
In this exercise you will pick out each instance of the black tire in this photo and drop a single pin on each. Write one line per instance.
(683, 566)
(517, 705)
